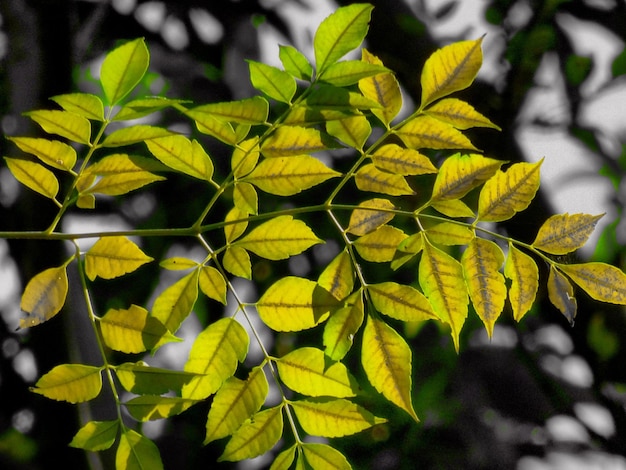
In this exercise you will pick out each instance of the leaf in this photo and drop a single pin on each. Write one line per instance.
(122, 69)
(178, 263)
(246, 198)
(561, 294)
(134, 135)
(210, 125)
(34, 176)
(44, 296)
(96, 435)
(233, 230)
(353, 131)
(133, 330)
(295, 304)
(459, 114)
(366, 218)
(370, 178)
(349, 72)
(245, 157)
(69, 125)
(136, 452)
(341, 101)
(324, 457)
(441, 280)
(275, 83)
(386, 359)
(246, 111)
(524, 275)
(508, 192)
(141, 107)
(286, 176)
(451, 68)
(287, 141)
(212, 284)
(295, 62)
(340, 329)
(74, 383)
(449, 233)
(309, 372)
(214, 354)
(380, 246)
(279, 238)
(84, 104)
(119, 174)
(284, 460)
(255, 437)
(112, 257)
(382, 88)
(235, 402)
(425, 132)
(140, 378)
(401, 161)
(481, 262)
(400, 301)
(459, 174)
(150, 407)
(181, 154)
(453, 208)
(340, 33)
(564, 233)
(601, 281)
(236, 261)
(338, 277)
(175, 303)
(52, 152)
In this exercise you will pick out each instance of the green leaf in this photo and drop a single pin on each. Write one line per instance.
(382, 88)
(386, 359)
(451, 68)
(452, 208)
(178, 263)
(84, 104)
(366, 218)
(256, 436)
(119, 174)
(141, 379)
(380, 246)
(459, 174)
(524, 275)
(509, 192)
(212, 284)
(295, 62)
(236, 261)
(324, 457)
(338, 277)
(309, 372)
(349, 72)
(601, 281)
(279, 238)
(210, 125)
(295, 304)
(564, 233)
(181, 154)
(52, 152)
(340, 33)
(333, 417)
(141, 107)
(481, 263)
(353, 131)
(233, 230)
(74, 383)
(34, 176)
(400, 301)
(175, 303)
(133, 330)
(284, 460)
(401, 161)
(96, 435)
(44, 296)
(247, 111)
(112, 257)
(134, 135)
(123, 68)
(370, 178)
(425, 132)
(289, 175)
(340, 329)
(293, 140)
(275, 83)
(215, 354)
(136, 452)
(235, 402)
(459, 114)
(344, 102)
(561, 294)
(151, 407)
(245, 157)
(69, 125)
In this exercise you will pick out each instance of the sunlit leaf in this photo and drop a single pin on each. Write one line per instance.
(215, 354)
(136, 452)
(96, 435)
(458, 114)
(380, 245)
(338, 277)
(44, 296)
(175, 303)
(256, 436)
(245, 157)
(382, 88)
(295, 62)
(235, 402)
(236, 261)
(141, 107)
(523, 272)
(84, 104)
(340, 100)
(34, 176)
(453, 208)
(246, 198)
(367, 218)
(284, 460)
(561, 294)
(349, 72)
(400, 301)
(123, 68)
(295, 304)
(353, 131)
(183, 155)
(142, 379)
(212, 284)
(233, 230)
(134, 135)
(370, 178)
(426, 132)
(69, 125)
(459, 174)
(412, 244)
(401, 161)
(151, 407)
(210, 125)
(52, 152)
(120, 173)
(386, 359)
(341, 327)
(247, 111)
(112, 257)
(449, 233)
(601, 281)
(178, 263)
(293, 140)
(564, 233)
(275, 83)
(74, 383)
(324, 457)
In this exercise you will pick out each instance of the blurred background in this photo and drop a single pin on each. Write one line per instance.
(539, 395)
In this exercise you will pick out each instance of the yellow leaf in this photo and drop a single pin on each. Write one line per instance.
(235, 401)
(69, 125)
(370, 178)
(245, 157)
(400, 302)
(349, 72)
(561, 294)
(96, 435)
(386, 359)
(564, 233)
(459, 174)
(141, 379)
(309, 372)
(44, 296)
(449, 233)
(451, 68)
(338, 277)
(134, 135)
(284, 459)
(601, 281)
(441, 280)
(175, 303)
(215, 354)
(246, 198)
(52, 152)
(233, 229)
(135, 452)
(401, 161)
(236, 261)
(353, 130)
(212, 284)
(333, 417)
(341, 327)
(367, 218)
(210, 125)
(380, 245)
(34, 176)
(111, 257)
(458, 114)
(181, 154)
(508, 192)
(481, 262)
(150, 407)
(247, 111)
(452, 208)
(524, 275)
(74, 383)
(178, 263)
(412, 244)
(425, 132)
(256, 436)
(295, 304)
(285, 176)
(323, 457)
(84, 104)
(287, 141)
(119, 174)
(279, 238)
(383, 89)
(123, 68)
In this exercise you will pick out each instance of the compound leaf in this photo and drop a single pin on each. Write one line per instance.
(383, 88)
(601, 281)
(256, 436)
(136, 452)
(74, 383)
(122, 69)
(561, 294)
(112, 257)
(564, 233)
(96, 435)
(69, 125)
(400, 301)
(522, 270)
(366, 218)
(459, 174)
(52, 152)
(175, 303)
(44, 296)
(34, 176)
